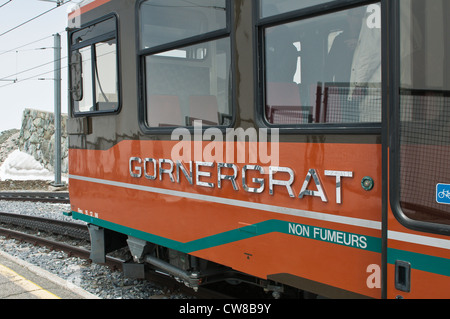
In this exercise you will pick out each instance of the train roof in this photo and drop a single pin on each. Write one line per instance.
(85, 2)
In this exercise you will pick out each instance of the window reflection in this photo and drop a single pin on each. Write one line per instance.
(274, 7)
(424, 118)
(86, 103)
(186, 83)
(106, 75)
(180, 90)
(325, 69)
(94, 70)
(166, 21)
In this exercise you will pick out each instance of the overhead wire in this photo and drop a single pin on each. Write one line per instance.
(34, 18)
(35, 67)
(27, 44)
(33, 77)
(30, 69)
(4, 4)
(24, 45)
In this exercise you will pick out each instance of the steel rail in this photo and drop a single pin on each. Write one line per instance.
(58, 245)
(112, 262)
(80, 231)
(74, 230)
(53, 197)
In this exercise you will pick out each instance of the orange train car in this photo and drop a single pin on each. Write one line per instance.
(294, 145)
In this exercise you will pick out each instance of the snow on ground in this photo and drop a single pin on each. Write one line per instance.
(21, 166)
(19, 170)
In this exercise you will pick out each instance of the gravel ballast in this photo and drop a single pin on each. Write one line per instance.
(97, 279)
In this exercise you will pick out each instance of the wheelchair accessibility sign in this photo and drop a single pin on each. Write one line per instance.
(443, 193)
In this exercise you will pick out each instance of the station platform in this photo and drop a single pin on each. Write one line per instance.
(21, 280)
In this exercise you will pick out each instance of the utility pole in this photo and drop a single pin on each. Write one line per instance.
(57, 112)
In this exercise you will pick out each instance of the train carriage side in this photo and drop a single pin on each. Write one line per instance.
(417, 252)
(249, 141)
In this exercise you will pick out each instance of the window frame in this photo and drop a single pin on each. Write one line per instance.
(394, 136)
(362, 128)
(174, 45)
(111, 35)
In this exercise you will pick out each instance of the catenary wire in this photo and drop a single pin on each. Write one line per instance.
(24, 45)
(29, 43)
(4, 4)
(30, 69)
(35, 17)
(31, 77)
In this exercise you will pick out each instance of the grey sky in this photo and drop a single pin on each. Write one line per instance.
(30, 62)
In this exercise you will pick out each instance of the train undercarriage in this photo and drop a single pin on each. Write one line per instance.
(187, 269)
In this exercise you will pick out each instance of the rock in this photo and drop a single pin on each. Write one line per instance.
(37, 137)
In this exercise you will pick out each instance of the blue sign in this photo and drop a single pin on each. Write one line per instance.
(443, 193)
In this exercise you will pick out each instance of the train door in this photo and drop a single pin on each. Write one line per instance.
(323, 90)
(418, 257)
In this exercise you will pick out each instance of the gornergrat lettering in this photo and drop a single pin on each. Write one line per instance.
(275, 178)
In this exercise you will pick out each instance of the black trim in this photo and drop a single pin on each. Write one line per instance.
(205, 37)
(315, 287)
(298, 15)
(394, 137)
(104, 37)
(403, 276)
(311, 11)
(141, 73)
(386, 62)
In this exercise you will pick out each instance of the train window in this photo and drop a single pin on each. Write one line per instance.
(84, 98)
(166, 21)
(424, 111)
(93, 68)
(185, 82)
(274, 7)
(106, 75)
(91, 32)
(325, 69)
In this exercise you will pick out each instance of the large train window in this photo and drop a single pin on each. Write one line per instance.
(324, 69)
(186, 57)
(274, 7)
(93, 68)
(423, 115)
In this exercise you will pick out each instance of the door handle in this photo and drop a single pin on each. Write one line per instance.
(403, 276)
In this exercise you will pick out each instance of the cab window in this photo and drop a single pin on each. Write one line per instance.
(93, 68)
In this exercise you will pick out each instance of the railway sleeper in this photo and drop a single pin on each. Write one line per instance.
(190, 270)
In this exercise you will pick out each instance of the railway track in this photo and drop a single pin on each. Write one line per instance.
(80, 232)
(56, 245)
(49, 197)
(48, 225)
(73, 230)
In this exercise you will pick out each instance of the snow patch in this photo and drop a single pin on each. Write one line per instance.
(22, 166)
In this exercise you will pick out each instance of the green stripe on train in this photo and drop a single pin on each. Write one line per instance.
(422, 262)
(432, 264)
(351, 240)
